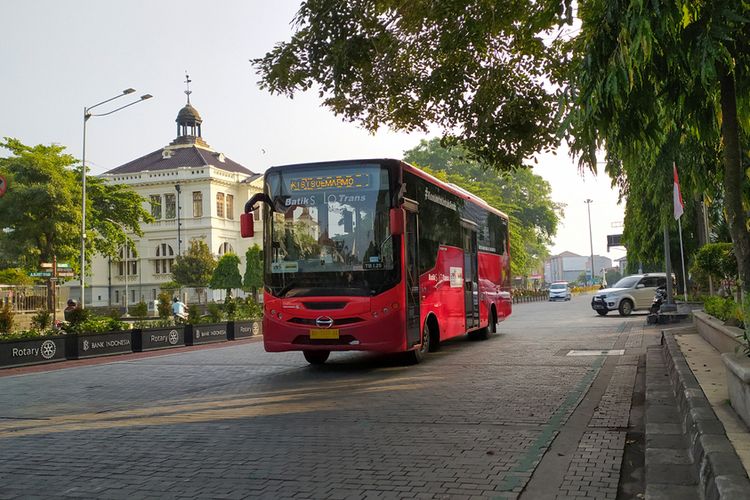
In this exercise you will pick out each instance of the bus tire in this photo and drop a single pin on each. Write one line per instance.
(416, 356)
(316, 357)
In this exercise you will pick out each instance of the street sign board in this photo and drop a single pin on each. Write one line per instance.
(63, 274)
(46, 265)
(43, 274)
(63, 265)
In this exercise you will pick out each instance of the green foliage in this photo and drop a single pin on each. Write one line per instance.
(15, 276)
(114, 313)
(42, 320)
(724, 308)
(140, 310)
(215, 315)
(27, 335)
(663, 85)
(230, 308)
(41, 212)
(253, 279)
(195, 267)
(94, 324)
(248, 309)
(227, 274)
(717, 260)
(478, 70)
(194, 314)
(78, 316)
(7, 318)
(165, 305)
(522, 195)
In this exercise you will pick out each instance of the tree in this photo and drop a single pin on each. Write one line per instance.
(663, 85)
(522, 195)
(195, 268)
(227, 274)
(253, 279)
(479, 69)
(41, 211)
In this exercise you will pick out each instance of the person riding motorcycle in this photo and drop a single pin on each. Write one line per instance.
(179, 310)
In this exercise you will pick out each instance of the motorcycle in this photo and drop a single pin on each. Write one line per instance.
(659, 298)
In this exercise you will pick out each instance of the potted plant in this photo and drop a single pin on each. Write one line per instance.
(89, 336)
(246, 321)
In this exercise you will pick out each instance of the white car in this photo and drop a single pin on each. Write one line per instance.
(631, 293)
(559, 290)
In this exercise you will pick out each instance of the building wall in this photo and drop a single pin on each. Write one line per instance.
(105, 285)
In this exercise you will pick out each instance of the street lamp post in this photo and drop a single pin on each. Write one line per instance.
(588, 203)
(127, 273)
(86, 115)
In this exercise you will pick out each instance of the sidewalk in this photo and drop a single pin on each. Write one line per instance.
(696, 445)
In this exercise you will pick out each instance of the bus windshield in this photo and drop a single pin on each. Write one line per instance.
(329, 227)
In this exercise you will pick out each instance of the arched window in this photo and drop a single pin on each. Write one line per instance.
(164, 259)
(132, 269)
(225, 247)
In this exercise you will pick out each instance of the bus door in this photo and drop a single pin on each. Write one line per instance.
(471, 284)
(411, 267)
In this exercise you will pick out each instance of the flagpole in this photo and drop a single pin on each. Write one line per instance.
(682, 256)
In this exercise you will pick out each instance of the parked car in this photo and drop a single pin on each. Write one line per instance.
(631, 293)
(559, 290)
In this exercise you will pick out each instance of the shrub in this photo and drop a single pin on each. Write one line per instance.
(140, 310)
(165, 305)
(27, 335)
(78, 315)
(722, 308)
(194, 314)
(42, 320)
(249, 309)
(230, 308)
(95, 324)
(214, 313)
(114, 313)
(6, 318)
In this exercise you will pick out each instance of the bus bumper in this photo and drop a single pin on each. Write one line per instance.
(381, 335)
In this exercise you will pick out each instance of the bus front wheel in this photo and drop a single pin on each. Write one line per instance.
(418, 354)
(316, 357)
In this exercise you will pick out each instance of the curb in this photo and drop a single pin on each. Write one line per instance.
(719, 469)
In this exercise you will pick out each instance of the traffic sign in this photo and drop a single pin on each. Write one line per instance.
(43, 274)
(63, 265)
(46, 265)
(66, 274)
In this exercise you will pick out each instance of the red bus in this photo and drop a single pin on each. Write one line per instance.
(376, 255)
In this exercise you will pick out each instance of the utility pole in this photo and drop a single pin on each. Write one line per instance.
(588, 203)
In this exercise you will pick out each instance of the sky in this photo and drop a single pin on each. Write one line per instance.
(59, 57)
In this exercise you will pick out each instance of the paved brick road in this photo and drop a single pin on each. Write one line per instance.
(474, 420)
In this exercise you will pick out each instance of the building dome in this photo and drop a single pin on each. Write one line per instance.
(188, 115)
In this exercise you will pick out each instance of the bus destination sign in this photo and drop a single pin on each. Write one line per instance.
(346, 181)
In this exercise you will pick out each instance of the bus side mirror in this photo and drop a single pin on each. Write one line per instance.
(247, 227)
(398, 217)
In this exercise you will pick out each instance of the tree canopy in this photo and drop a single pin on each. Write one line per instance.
(226, 275)
(253, 278)
(524, 196)
(194, 268)
(40, 213)
(479, 70)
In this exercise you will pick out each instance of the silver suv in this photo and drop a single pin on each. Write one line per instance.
(631, 293)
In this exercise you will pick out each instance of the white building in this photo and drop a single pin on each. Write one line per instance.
(191, 190)
(568, 266)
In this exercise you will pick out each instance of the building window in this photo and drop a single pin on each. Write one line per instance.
(156, 206)
(164, 259)
(117, 296)
(220, 205)
(132, 262)
(230, 206)
(225, 248)
(197, 204)
(170, 208)
(153, 294)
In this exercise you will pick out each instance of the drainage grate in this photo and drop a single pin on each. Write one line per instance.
(596, 352)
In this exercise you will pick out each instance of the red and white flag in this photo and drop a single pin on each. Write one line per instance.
(679, 206)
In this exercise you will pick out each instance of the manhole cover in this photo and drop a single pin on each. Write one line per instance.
(596, 352)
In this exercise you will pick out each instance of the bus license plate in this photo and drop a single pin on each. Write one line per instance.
(324, 333)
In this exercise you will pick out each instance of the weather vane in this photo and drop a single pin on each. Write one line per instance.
(187, 84)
